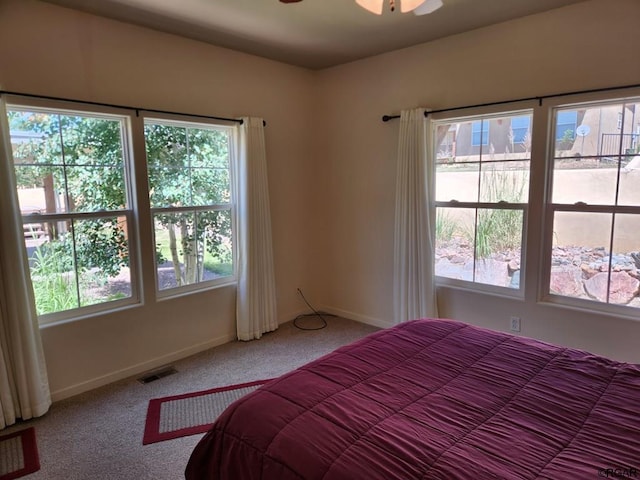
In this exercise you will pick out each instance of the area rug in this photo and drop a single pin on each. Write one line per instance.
(190, 413)
(18, 454)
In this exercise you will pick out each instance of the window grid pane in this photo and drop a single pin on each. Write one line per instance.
(520, 127)
(73, 195)
(595, 195)
(193, 247)
(480, 133)
(191, 199)
(481, 196)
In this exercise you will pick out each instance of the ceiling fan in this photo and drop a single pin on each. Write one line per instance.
(418, 7)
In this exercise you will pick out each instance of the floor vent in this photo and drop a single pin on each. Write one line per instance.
(157, 374)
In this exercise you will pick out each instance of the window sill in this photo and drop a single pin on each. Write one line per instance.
(56, 320)
(590, 307)
(194, 289)
(481, 289)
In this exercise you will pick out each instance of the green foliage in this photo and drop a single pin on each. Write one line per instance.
(101, 244)
(499, 229)
(190, 167)
(83, 155)
(54, 284)
(81, 159)
(78, 162)
(445, 226)
(567, 139)
(59, 284)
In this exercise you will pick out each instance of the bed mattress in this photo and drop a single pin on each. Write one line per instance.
(433, 399)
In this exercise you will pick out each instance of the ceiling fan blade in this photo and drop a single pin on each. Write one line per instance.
(290, 1)
(429, 6)
(374, 6)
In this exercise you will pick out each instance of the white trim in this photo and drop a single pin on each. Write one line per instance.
(231, 132)
(139, 368)
(376, 322)
(483, 288)
(550, 209)
(191, 288)
(285, 318)
(591, 306)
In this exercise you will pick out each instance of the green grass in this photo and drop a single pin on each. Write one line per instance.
(445, 226)
(54, 287)
(499, 229)
(211, 263)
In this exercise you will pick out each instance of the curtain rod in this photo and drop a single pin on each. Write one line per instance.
(386, 118)
(127, 107)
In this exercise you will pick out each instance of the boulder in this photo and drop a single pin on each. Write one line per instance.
(622, 290)
(444, 268)
(566, 280)
(492, 272)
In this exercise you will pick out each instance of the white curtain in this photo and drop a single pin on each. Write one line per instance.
(24, 387)
(256, 298)
(414, 287)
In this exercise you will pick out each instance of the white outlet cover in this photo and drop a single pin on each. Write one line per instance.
(515, 324)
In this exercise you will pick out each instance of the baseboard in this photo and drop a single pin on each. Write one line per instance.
(139, 368)
(376, 322)
(291, 316)
(186, 352)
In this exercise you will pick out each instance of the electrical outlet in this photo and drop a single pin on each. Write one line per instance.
(515, 324)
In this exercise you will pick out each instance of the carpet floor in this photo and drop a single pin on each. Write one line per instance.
(98, 435)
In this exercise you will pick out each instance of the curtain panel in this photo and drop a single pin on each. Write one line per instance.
(414, 286)
(24, 386)
(256, 294)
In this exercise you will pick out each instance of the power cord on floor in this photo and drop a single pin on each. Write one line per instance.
(315, 313)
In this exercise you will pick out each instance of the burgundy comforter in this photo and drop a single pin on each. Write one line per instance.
(434, 399)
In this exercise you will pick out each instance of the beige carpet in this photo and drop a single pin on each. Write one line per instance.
(98, 435)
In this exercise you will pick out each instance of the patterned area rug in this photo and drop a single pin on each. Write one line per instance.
(191, 413)
(18, 454)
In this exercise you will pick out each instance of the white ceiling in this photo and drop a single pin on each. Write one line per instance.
(312, 33)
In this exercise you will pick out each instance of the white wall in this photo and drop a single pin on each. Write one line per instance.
(331, 160)
(49, 50)
(588, 45)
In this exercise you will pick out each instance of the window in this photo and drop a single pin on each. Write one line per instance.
(593, 209)
(190, 193)
(481, 204)
(72, 178)
(520, 129)
(74, 174)
(479, 133)
(566, 123)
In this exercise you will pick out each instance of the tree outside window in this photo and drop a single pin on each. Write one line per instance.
(191, 200)
(72, 181)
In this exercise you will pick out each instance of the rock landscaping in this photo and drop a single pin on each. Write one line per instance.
(580, 272)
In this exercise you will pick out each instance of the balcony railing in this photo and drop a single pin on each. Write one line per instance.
(610, 144)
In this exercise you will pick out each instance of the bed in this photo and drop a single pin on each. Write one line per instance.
(433, 399)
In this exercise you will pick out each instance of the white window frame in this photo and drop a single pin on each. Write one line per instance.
(232, 131)
(550, 208)
(485, 116)
(124, 116)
